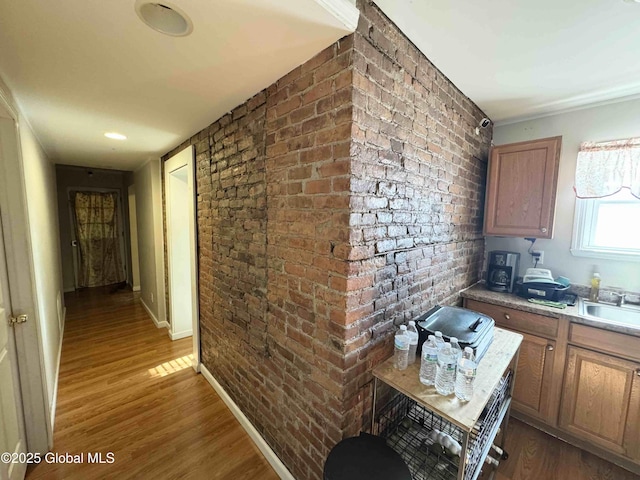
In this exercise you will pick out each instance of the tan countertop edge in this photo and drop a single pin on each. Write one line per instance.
(480, 293)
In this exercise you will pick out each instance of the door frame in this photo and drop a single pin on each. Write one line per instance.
(177, 161)
(133, 238)
(38, 419)
(122, 241)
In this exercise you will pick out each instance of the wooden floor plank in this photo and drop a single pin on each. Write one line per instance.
(126, 388)
(534, 455)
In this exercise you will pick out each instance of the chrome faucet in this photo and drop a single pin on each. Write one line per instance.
(620, 298)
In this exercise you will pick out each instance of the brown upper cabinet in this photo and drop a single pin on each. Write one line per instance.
(521, 189)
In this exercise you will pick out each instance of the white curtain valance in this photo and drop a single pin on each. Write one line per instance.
(606, 167)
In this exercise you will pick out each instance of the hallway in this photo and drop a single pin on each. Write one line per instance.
(126, 388)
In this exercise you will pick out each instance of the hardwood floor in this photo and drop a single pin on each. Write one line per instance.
(126, 388)
(534, 455)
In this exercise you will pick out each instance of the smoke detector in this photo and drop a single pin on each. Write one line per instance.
(164, 18)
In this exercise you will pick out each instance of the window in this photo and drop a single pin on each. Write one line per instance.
(608, 227)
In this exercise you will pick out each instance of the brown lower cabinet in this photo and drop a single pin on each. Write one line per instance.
(533, 377)
(576, 382)
(601, 401)
(533, 394)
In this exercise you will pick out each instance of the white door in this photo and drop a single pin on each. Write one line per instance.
(12, 432)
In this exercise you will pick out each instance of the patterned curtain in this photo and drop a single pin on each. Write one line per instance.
(605, 168)
(96, 224)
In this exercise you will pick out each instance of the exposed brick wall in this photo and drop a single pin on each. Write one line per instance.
(309, 116)
(339, 201)
(418, 176)
(273, 195)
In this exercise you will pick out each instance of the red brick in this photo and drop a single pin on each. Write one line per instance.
(336, 168)
(312, 187)
(287, 106)
(299, 191)
(318, 91)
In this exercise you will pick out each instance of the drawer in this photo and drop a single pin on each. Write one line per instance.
(513, 319)
(619, 344)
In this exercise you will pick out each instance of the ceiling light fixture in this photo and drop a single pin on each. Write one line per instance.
(115, 136)
(631, 1)
(163, 18)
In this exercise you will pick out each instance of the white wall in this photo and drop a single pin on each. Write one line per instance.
(28, 201)
(42, 209)
(150, 238)
(608, 122)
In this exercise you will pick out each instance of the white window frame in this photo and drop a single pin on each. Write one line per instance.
(584, 231)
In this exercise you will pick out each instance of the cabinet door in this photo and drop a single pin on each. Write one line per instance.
(521, 189)
(531, 392)
(601, 401)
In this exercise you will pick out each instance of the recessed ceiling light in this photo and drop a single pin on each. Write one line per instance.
(115, 136)
(164, 18)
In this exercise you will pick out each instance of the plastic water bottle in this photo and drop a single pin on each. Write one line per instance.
(412, 331)
(401, 342)
(446, 372)
(466, 375)
(429, 363)
(456, 347)
(439, 340)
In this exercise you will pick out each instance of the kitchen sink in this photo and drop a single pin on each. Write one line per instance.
(626, 314)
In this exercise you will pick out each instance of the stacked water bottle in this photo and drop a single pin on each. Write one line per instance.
(444, 364)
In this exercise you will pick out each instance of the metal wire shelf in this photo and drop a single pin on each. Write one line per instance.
(406, 426)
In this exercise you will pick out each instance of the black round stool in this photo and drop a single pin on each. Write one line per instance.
(366, 457)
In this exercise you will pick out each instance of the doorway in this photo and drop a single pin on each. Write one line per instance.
(181, 248)
(97, 236)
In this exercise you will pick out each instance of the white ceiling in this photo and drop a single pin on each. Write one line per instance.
(519, 59)
(80, 68)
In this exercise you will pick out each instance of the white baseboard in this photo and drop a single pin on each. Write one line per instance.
(179, 335)
(260, 442)
(136, 288)
(158, 324)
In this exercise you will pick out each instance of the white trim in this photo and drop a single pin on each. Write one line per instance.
(184, 158)
(136, 288)
(157, 323)
(179, 335)
(343, 10)
(583, 226)
(54, 402)
(158, 238)
(7, 101)
(260, 442)
(563, 110)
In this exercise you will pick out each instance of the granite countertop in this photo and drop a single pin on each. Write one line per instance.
(480, 293)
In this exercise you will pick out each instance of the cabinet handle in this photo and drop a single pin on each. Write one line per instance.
(543, 230)
(551, 348)
(506, 315)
